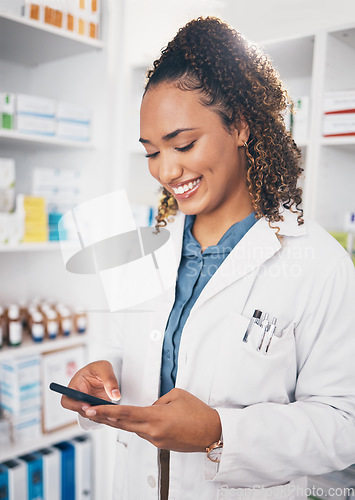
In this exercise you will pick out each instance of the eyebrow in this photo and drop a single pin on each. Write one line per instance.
(169, 136)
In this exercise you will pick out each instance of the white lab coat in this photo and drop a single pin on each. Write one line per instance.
(285, 414)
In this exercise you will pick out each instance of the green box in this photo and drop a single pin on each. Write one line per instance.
(7, 111)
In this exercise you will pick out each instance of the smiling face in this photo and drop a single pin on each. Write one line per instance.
(192, 154)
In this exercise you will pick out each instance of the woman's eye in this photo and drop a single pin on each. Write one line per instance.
(186, 148)
(151, 155)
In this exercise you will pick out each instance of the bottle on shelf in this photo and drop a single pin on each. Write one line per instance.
(80, 320)
(37, 326)
(51, 321)
(15, 332)
(65, 320)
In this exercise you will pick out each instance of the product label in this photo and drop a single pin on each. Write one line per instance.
(37, 331)
(15, 333)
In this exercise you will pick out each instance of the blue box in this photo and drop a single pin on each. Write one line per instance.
(68, 469)
(34, 475)
(4, 483)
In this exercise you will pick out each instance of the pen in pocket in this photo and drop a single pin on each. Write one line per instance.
(255, 319)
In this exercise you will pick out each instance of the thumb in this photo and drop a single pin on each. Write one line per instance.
(106, 374)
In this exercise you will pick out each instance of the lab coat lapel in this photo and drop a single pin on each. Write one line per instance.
(166, 301)
(258, 245)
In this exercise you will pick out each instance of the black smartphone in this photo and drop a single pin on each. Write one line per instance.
(79, 396)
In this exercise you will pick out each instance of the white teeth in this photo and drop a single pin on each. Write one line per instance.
(186, 187)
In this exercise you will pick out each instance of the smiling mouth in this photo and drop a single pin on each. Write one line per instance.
(185, 188)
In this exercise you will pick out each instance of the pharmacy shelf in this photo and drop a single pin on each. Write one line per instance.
(18, 139)
(15, 450)
(29, 347)
(346, 143)
(47, 43)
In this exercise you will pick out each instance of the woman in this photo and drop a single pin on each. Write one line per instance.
(239, 408)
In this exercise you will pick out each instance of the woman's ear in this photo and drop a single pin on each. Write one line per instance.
(242, 132)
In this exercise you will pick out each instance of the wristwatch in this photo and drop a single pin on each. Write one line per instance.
(214, 451)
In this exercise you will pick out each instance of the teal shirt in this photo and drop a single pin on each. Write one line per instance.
(195, 270)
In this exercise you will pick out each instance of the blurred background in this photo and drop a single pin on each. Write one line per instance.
(72, 74)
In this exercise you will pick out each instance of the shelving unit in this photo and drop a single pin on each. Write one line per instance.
(48, 43)
(42, 60)
(29, 348)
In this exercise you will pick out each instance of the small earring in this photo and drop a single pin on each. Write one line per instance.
(245, 145)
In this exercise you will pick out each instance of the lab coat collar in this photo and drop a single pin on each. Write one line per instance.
(258, 245)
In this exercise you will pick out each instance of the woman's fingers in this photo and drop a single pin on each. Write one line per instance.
(97, 379)
(104, 371)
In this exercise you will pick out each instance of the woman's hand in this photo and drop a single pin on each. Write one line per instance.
(96, 379)
(177, 421)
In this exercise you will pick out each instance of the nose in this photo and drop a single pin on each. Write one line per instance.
(170, 170)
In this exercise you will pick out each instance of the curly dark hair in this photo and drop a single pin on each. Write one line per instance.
(237, 81)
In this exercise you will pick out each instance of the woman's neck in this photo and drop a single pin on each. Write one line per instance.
(208, 229)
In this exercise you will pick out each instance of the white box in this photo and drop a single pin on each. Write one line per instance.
(16, 227)
(26, 427)
(337, 102)
(339, 124)
(73, 113)
(7, 184)
(300, 119)
(37, 106)
(17, 471)
(21, 385)
(7, 173)
(52, 487)
(21, 371)
(83, 467)
(4, 228)
(74, 131)
(35, 125)
(59, 366)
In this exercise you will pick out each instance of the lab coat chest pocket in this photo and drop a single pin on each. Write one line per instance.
(243, 375)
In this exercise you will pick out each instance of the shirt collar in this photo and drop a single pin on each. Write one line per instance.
(231, 237)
